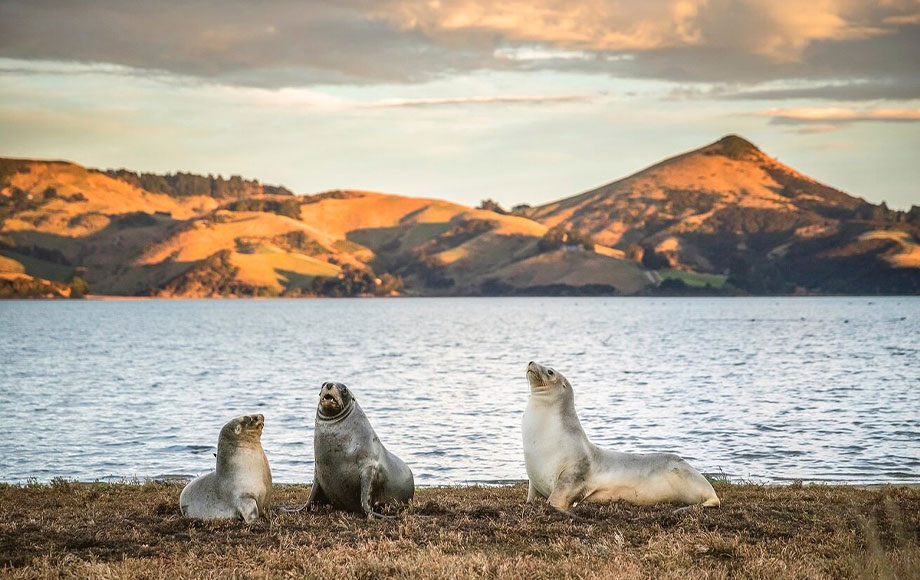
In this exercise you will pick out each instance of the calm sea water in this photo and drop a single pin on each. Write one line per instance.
(768, 389)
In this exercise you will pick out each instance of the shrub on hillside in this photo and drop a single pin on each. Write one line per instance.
(558, 236)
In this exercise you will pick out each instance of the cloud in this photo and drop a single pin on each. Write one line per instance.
(829, 116)
(477, 100)
(303, 43)
(819, 129)
(861, 90)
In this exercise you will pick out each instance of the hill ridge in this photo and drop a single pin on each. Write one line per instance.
(725, 217)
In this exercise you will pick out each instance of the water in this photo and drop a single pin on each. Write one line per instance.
(764, 389)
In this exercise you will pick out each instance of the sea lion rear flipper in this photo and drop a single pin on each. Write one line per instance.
(317, 497)
(368, 482)
(248, 508)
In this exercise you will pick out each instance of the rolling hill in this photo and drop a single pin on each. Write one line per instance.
(726, 218)
(730, 209)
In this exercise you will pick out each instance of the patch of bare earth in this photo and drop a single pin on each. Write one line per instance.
(135, 531)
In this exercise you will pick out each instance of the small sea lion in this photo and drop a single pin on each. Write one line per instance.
(565, 468)
(353, 470)
(241, 485)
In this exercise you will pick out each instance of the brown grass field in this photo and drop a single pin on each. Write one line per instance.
(73, 530)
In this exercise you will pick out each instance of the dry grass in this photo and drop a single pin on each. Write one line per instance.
(128, 531)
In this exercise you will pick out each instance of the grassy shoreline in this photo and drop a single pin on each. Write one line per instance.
(127, 531)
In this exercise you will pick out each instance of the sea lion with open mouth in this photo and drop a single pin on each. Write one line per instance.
(353, 470)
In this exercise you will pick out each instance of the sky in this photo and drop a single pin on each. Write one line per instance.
(521, 101)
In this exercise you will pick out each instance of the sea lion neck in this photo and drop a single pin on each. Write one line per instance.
(320, 416)
(226, 445)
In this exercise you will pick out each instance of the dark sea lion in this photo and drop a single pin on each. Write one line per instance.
(565, 468)
(353, 471)
(241, 485)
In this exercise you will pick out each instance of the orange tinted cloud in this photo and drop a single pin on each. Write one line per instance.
(779, 29)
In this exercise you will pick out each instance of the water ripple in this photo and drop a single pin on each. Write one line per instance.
(815, 389)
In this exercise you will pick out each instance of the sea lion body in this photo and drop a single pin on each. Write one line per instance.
(240, 487)
(353, 470)
(564, 467)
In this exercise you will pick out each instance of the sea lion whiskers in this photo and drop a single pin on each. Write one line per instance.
(335, 402)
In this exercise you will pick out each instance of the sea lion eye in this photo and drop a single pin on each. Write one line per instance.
(551, 373)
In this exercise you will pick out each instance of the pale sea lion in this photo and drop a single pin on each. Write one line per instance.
(565, 468)
(241, 485)
(353, 470)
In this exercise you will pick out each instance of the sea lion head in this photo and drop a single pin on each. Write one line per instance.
(243, 428)
(547, 381)
(335, 400)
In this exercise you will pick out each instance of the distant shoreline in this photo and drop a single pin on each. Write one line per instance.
(120, 298)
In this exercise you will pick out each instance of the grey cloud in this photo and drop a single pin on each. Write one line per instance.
(882, 89)
(295, 43)
(279, 44)
(817, 118)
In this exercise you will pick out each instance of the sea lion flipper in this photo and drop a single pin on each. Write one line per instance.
(567, 490)
(532, 492)
(317, 496)
(369, 480)
(248, 508)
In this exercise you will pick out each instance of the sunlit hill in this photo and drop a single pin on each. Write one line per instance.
(723, 219)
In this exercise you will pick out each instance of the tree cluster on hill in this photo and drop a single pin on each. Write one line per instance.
(492, 205)
(24, 287)
(20, 200)
(354, 282)
(557, 237)
(334, 194)
(188, 184)
(299, 241)
(287, 207)
(215, 276)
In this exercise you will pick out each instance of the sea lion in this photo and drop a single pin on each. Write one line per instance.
(565, 468)
(353, 470)
(241, 485)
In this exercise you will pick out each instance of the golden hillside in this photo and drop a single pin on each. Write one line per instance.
(197, 237)
(726, 218)
(730, 209)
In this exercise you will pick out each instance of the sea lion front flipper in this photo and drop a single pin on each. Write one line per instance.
(368, 481)
(248, 508)
(532, 492)
(568, 490)
(317, 496)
